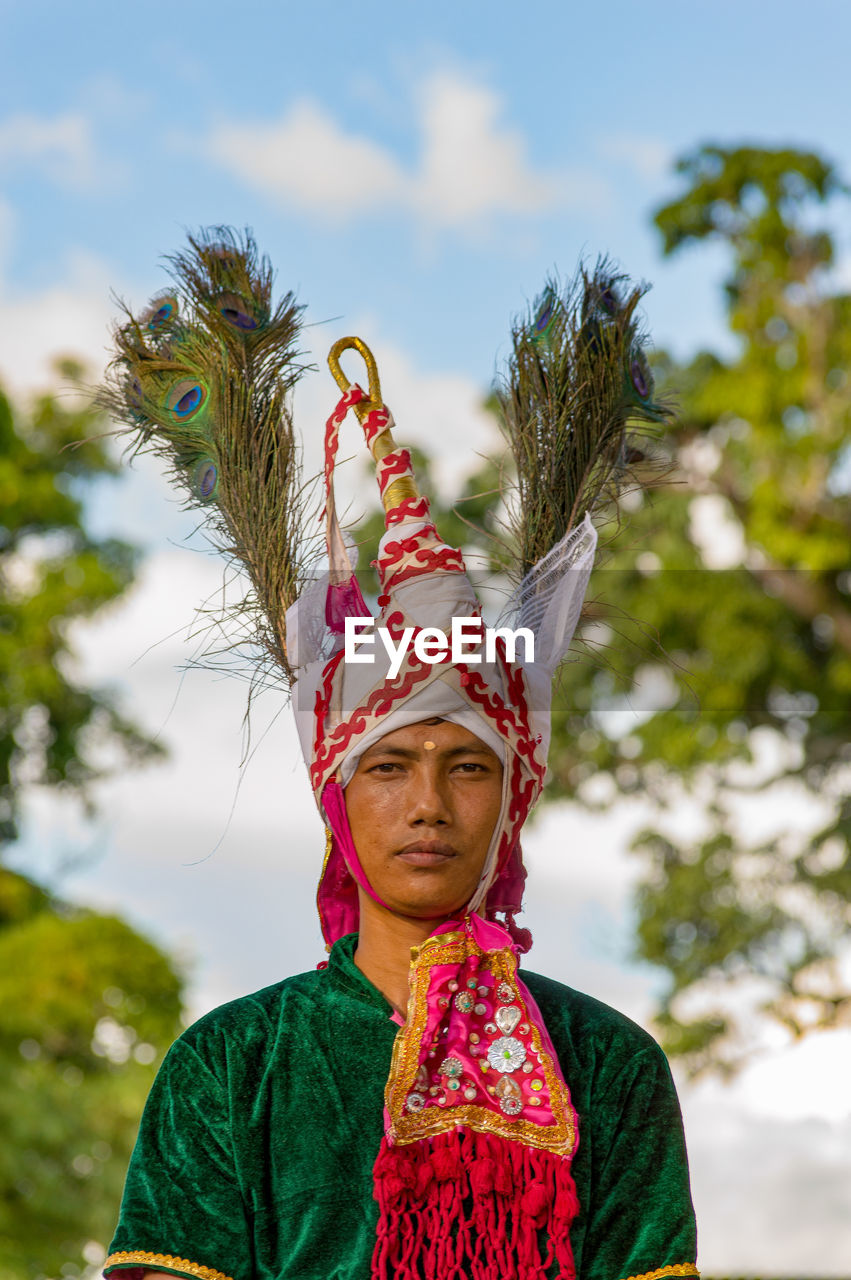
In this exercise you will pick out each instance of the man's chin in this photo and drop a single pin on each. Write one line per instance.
(429, 912)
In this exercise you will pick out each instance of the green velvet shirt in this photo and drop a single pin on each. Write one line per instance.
(255, 1152)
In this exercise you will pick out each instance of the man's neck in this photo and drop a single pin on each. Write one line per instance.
(384, 949)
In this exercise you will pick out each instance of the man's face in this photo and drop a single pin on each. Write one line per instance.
(422, 807)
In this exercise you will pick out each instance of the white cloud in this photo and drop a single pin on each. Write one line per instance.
(70, 317)
(470, 166)
(308, 161)
(61, 146)
(771, 1193)
(808, 1080)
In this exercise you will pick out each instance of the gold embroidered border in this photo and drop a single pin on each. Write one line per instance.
(452, 948)
(676, 1269)
(140, 1258)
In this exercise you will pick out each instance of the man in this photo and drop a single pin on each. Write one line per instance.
(418, 1108)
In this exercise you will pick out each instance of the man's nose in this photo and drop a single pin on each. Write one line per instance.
(429, 804)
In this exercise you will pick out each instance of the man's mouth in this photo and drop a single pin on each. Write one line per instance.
(427, 853)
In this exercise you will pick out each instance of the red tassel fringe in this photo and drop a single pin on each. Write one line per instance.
(471, 1206)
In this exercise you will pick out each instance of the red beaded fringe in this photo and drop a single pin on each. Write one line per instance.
(470, 1206)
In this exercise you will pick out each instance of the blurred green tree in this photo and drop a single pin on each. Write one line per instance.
(718, 624)
(53, 729)
(752, 597)
(88, 1006)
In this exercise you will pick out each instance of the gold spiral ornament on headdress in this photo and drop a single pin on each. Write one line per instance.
(405, 486)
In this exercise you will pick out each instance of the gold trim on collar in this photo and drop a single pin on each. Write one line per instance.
(140, 1258)
(688, 1269)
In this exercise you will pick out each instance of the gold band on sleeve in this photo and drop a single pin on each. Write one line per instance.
(141, 1259)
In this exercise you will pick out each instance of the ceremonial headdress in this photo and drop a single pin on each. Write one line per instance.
(343, 707)
(473, 1175)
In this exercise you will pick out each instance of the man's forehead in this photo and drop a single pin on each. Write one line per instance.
(431, 734)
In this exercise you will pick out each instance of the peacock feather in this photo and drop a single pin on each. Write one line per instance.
(577, 386)
(202, 378)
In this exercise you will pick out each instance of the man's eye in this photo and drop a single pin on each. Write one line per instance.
(386, 766)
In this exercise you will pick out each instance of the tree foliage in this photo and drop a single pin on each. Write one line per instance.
(717, 633)
(751, 923)
(54, 730)
(88, 1006)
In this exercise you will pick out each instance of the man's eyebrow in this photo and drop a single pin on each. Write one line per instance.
(379, 750)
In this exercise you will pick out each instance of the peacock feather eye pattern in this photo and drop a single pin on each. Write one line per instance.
(206, 480)
(641, 377)
(237, 312)
(160, 315)
(186, 398)
(545, 316)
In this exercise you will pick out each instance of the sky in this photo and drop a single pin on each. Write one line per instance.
(414, 172)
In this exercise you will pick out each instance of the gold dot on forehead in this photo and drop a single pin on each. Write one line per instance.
(429, 746)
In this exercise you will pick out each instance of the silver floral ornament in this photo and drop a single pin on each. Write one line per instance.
(506, 1054)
